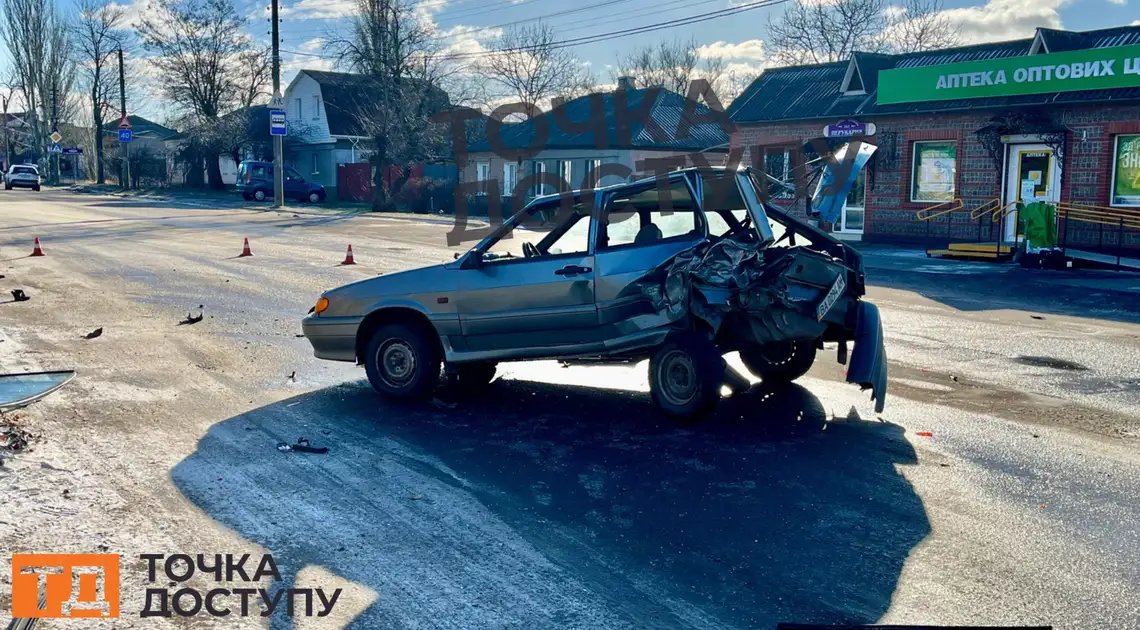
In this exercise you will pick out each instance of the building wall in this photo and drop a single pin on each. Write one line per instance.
(1086, 170)
(304, 123)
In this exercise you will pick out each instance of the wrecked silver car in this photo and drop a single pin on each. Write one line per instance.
(681, 269)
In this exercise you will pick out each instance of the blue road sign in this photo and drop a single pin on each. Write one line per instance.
(126, 134)
(73, 150)
(55, 148)
(277, 125)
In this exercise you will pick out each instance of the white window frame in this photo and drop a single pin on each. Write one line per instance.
(566, 172)
(316, 164)
(1112, 182)
(592, 166)
(482, 175)
(914, 152)
(510, 178)
(316, 106)
(788, 176)
(538, 169)
(300, 107)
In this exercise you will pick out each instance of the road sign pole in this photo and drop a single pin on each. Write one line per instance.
(278, 143)
(125, 147)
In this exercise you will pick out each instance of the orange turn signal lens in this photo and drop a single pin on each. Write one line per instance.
(322, 304)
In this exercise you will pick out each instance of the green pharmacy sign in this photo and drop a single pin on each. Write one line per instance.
(1092, 69)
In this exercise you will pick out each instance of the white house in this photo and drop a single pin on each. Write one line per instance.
(323, 130)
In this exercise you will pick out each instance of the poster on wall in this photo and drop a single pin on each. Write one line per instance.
(935, 166)
(1126, 172)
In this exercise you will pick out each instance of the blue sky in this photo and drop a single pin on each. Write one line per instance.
(465, 25)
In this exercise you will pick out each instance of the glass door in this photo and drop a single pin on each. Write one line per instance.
(854, 209)
(1031, 175)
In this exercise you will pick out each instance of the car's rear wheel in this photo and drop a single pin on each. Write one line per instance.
(402, 362)
(259, 195)
(685, 376)
(36, 188)
(779, 362)
(247, 196)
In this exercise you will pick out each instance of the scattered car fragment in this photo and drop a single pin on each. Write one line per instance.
(24, 388)
(681, 271)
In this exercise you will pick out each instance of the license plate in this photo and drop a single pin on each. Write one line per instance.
(832, 297)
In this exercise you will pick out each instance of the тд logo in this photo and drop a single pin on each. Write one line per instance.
(71, 585)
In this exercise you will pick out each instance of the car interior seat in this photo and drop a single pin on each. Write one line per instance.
(649, 233)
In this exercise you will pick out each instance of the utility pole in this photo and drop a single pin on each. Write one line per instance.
(54, 129)
(7, 145)
(278, 143)
(124, 147)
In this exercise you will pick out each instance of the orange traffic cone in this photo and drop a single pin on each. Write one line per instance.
(245, 248)
(348, 260)
(36, 251)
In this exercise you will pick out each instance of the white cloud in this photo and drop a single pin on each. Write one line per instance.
(1120, 2)
(319, 9)
(1135, 23)
(748, 49)
(313, 45)
(999, 20)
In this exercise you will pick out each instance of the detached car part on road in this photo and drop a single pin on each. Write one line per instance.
(680, 271)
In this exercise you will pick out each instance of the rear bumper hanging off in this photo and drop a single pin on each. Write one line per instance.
(868, 366)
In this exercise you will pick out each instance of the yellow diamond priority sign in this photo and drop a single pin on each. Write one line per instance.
(55, 137)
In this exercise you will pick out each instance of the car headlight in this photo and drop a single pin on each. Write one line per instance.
(322, 304)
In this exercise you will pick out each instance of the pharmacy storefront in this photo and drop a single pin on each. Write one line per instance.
(1053, 119)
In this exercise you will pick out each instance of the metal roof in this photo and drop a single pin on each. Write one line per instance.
(575, 124)
(812, 91)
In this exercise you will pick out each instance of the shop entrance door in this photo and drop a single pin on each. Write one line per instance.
(1031, 174)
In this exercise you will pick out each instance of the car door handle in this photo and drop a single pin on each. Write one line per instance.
(572, 270)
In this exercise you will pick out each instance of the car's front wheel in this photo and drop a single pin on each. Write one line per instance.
(779, 362)
(314, 197)
(402, 362)
(685, 376)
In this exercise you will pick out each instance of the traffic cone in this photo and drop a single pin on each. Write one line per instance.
(245, 248)
(348, 260)
(36, 251)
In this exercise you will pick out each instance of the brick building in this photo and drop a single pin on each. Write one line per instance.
(977, 128)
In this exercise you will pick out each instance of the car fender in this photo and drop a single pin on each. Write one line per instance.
(868, 367)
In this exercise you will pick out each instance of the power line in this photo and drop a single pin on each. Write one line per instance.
(600, 37)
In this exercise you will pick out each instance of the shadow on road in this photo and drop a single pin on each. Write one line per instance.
(541, 505)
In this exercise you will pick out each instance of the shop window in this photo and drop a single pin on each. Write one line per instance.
(778, 164)
(482, 174)
(933, 171)
(510, 177)
(1126, 171)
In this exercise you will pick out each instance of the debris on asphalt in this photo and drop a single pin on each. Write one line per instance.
(13, 438)
(441, 404)
(24, 388)
(924, 434)
(1033, 316)
(293, 376)
(298, 335)
(416, 497)
(18, 295)
(191, 319)
(94, 333)
(302, 446)
(66, 493)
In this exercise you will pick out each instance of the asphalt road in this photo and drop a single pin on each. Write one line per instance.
(1000, 486)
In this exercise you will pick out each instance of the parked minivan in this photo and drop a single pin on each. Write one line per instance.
(255, 181)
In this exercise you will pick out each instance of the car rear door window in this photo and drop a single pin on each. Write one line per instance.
(641, 220)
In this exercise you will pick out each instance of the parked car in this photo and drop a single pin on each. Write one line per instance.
(22, 176)
(680, 274)
(255, 180)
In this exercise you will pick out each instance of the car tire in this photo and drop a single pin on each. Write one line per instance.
(780, 362)
(259, 195)
(402, 362)
(685, 377)
(247, 196)
(36, 188)
(314, 197)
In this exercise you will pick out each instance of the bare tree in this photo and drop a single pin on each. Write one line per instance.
(671, 65)
(818, 32)
(528, 64)
(196, 47)
(98, 34)
(398, 90)
(37, 39)
(255, 76)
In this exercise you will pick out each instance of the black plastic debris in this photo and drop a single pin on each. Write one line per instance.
(191, 319)
(94, 333)
(18, 295)
(302, 446)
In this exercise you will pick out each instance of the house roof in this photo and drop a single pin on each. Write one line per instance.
(142, 127)
(813, 91)
(343, 94)
(667, 111)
